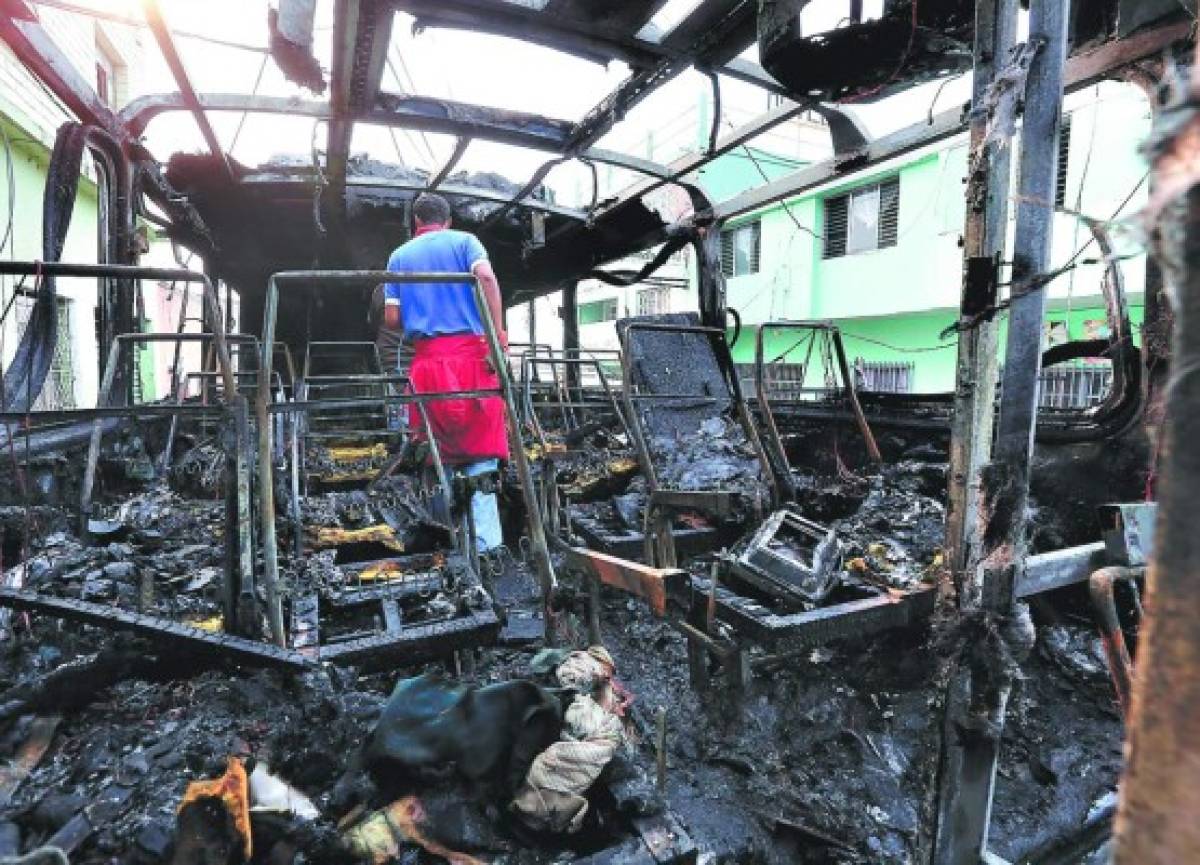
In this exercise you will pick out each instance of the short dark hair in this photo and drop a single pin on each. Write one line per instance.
(431, 209)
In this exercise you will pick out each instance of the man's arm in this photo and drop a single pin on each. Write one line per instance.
(391, 314)
(491, 291)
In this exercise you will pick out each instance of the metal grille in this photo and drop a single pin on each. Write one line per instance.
(883, 376)
(653, 301)
(781, 380)
(1064, 151)
(59, 389)
(1074, 386)
(889, 212)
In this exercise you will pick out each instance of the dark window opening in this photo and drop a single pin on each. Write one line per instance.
(741, 249)
(862, 220)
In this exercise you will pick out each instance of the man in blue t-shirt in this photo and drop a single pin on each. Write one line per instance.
(443, 323)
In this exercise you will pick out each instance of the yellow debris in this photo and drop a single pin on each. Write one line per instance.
(215, 625)
(334, 536)
(381, 571)
(347, 454)
(346, 477)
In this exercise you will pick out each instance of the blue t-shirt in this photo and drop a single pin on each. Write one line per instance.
(436, 308)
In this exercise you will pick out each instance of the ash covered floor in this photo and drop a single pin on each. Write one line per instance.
(827, 757)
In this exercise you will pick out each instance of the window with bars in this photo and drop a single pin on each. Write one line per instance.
(881, 376)
(741, 248)
(653, 301)
(597, 311)
(59, 390)
(862, 219)
(1064, 153)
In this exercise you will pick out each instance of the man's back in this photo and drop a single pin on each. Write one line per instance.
(439, 308)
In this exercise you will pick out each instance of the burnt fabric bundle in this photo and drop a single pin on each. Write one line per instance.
(552, 797)
(491, 734)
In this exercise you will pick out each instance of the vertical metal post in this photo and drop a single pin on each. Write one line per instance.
(537, 534)
(1031, 257)
(570, 334)
(176, 393)
(983, 247)
(852, 396)
(1155, 823)
(266, 485)
(977, 689)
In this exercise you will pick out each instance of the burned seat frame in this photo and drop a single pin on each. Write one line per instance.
(325, 280)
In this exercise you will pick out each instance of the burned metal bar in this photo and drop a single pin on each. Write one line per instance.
(424, 113)
(851, 619)
(969, 763)
(341, 125)
(983, 247)
(1120, 668)
(1046, 572)
(1084, 69)
(416, 641)
(460, 147)
(166, 44)
(659, 587)
(155, 628)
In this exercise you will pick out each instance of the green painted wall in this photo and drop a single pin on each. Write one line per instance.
(906, 338)
(892, 303)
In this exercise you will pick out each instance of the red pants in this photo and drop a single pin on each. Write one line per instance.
(466, 430)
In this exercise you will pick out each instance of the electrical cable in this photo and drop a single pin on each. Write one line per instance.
(253, 92)
(912, 38)
(10, 181)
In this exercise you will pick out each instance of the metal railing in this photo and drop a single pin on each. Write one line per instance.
(1074, 386)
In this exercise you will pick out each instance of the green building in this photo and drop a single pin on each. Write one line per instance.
(879, 253)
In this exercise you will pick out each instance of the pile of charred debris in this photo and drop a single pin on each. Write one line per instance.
(765, 687)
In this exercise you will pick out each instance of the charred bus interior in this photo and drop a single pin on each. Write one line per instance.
(736, 617)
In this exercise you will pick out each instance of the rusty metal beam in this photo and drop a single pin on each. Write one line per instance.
(166, 44)
(380, 46)
(341, 123)
(1158, 791)
(411, 112)
(656, 586)
(983, 248)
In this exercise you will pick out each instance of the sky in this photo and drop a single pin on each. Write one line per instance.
(464, 66)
